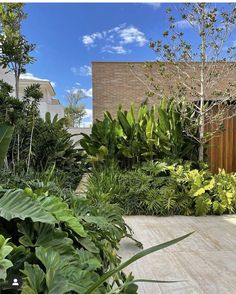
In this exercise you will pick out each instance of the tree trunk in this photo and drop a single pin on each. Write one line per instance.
(18, 147)
(203, 90)
(30, 147)
(17, 79)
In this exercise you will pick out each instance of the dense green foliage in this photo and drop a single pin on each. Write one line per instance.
(59, 241)
(62, 244)
(151, 133)
(70, 243)
(56, 240)
(161, 188)
(38, 144)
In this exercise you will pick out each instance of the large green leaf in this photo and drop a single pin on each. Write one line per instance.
(35, 276)
(45, 235)
(124, 123)
(15, 204)
(6, 132)
(5, 249)
(59, 208)
(163, 120)
(63, 275)
(149, 129)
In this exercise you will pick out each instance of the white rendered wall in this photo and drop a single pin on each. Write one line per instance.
(8, 77)
(45, 104)
(43, 109)
(56, 109)
(77, 132)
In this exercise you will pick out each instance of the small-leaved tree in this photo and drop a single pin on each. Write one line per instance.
(75, 111)
(15, 51)
(196, 66)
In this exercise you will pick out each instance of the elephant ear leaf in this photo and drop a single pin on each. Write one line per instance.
(5, 249)
(15, 204)
(6, 132)
(55, 206)
(33, 283)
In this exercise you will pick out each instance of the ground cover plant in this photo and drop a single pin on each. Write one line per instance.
(165, 187)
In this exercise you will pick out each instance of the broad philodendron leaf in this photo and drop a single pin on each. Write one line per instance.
(6, 132)
(88, 260)
(64, 275)
(45, 235)
(15, 204)
(88, 244)
(63, 213)
(34, 279)
(5, 249)
(133, 259)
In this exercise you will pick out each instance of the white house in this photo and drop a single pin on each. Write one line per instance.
(48, 103)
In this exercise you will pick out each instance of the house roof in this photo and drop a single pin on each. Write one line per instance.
(43, 82)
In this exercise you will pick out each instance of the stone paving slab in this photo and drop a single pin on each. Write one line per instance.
(206, 260)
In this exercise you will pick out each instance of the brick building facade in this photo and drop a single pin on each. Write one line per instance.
(116, 83)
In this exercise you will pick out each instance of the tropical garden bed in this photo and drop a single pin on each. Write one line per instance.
(148, 160)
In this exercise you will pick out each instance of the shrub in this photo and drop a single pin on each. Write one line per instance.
(77, 240)
(136, 137)
(38, 144)
(161, 188)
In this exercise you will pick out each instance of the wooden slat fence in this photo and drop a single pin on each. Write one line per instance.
(222, 147)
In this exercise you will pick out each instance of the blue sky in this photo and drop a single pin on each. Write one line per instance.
(69, 36)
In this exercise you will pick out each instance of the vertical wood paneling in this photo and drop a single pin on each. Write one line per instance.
(222, 148)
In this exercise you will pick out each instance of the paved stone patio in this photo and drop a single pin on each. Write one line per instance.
(206, 260)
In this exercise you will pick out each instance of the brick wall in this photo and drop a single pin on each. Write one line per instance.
(122, 83)
(114, 84)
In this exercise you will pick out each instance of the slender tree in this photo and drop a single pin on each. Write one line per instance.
(191, 66)
(32, 96)
(75, 111)
(12, 15)
(15, 50)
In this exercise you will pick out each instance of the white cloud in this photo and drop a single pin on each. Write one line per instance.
(183, 24)
(88, 40)
(87, 93)
(84, 92)
(113, 40)
(89, 113)
(84, 70)
(114, 49)
(96, 36)
(88, 118)
(53, 84)
(132, 35)
(116, 29)
(154, 5)
(86, 124)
